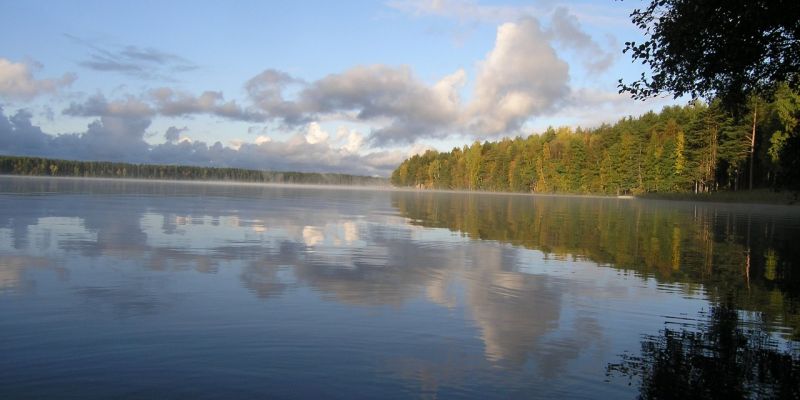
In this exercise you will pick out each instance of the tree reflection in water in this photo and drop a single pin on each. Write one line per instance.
(726, 355)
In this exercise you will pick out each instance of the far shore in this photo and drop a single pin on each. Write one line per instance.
(756, 196)
(200, 182)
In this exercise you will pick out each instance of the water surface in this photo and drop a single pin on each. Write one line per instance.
(133, 289)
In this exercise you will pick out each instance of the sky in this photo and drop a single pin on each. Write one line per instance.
(314, 86)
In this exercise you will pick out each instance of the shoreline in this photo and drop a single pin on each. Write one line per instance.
(755, 196)
(748, 197)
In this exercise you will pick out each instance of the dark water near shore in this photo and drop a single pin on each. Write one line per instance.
(121, 289)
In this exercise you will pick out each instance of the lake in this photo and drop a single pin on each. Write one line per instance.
(126, 289)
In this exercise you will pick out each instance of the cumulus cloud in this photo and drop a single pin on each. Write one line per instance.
(315, 134)
(404, 106)
(261, 139)
(564, 25)
(391, 93)
(18, 83)
(19, 136)
(266, 92)
(120, 137)
(521, 77)
(113, 138)
(353, 140)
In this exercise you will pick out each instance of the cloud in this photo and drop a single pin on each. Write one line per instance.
(591, 107)
(164, 101)
(564, 25)
(97, 105)
(19, 136)
(521, 77)
(567, 31)
(405, 106)
(315, 134)
(266, 92)
(392, 93)
(18, 83)
(120, 137)
(353, 140)
(114, 138)
(172, 103)
(143, 63)
(261, 139)
(173, 134)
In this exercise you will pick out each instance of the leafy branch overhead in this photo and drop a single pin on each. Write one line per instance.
(716, 48)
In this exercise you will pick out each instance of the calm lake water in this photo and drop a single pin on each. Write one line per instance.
(122, 289)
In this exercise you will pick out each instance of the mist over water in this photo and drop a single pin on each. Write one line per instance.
(160, 289)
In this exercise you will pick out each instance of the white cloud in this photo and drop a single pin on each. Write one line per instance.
(262, 139)
(521, 77)
(235, 144)
(17, 81)
(393, 94)
(351, 140)
(354, 142)
(315, 134)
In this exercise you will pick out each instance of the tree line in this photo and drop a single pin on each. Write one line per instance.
(698, 147)
(34, 166)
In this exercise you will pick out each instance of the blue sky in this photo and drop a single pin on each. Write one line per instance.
(351, 86)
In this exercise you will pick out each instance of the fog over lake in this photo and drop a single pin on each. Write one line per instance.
(132, 289)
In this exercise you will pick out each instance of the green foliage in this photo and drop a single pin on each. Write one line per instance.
(98, 169)
(727, 49)
(695, 148)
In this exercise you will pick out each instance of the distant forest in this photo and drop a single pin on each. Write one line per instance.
(694, 148)
(98, 169)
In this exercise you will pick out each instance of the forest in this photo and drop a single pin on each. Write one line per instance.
(34, 166)
(699, 147)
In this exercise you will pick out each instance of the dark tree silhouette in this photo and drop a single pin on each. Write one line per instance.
(716, 48)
